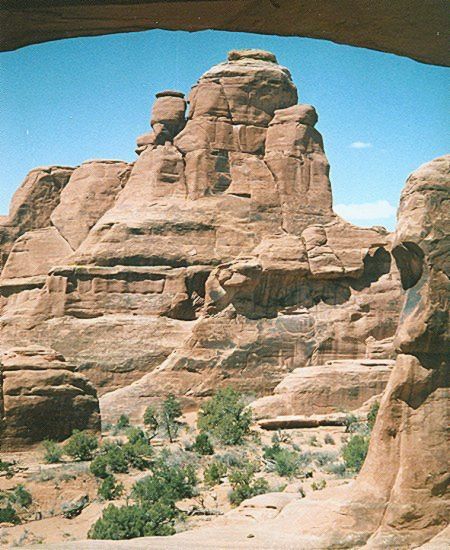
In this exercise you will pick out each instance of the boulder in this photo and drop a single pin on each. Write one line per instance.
(168, 115)
(42, 397)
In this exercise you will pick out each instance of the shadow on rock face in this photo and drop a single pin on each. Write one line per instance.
(375, 265)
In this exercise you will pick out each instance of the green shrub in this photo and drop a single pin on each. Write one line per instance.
(110, 489)
(10, 500)
(355, 451)
(243, 483)
(8, 515)
(372, 415)
(230, 459)
(305, 458)
(151, 420)
(155, 496)
(6, 466)
(328, 439)
(136, 435)
(318, 485)
(170, 413)
(203, 445)
(214, 473)
(81, 445)
(20, 496)
(168, 483)
(53, 452)
(351, 423)
(225, 417)
(338, 469)
(129, 522)
(99, 466)
(287, 463)
(123, 422)
(137, 454)
(270, 453)
(116, 459)
(313, 441)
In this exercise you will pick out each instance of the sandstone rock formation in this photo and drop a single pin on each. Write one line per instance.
(216, 259)
(330, 388)
(32, 205)
(216, 254)
(41, 397)
(168, 116)
(407, 462)
(90, 192)
(413, 28)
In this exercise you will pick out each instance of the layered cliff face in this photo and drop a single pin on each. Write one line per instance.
(215, 258)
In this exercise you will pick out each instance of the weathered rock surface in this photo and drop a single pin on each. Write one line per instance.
(168, 116)
(32, 205)
(407, 462)
(90, 192)
(35, 252)
(41, 397)
(330, 388)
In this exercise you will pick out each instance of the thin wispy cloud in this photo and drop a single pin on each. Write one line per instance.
(381, 209)
(361, 145)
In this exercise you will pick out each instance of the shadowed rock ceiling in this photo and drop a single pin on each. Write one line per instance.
(411, 28)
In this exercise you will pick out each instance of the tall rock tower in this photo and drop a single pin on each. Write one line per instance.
(216, 252)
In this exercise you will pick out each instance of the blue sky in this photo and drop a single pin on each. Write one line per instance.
(72, 100)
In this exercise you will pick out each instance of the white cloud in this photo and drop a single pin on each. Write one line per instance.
(381, 209)
(361, 145)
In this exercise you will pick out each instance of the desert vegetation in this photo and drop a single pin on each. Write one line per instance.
(173, 471)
